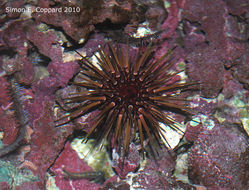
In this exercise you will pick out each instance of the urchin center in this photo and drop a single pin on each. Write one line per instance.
(129, 92)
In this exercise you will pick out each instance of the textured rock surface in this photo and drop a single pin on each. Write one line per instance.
(37, 50)
(219, 158)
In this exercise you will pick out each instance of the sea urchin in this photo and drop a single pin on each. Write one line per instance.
(131, 96)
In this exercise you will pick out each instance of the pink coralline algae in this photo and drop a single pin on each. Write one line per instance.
(47, 43)
(223, 39)
(79, 23)
(36, 97)
(208, 71)
(240, 70)
(37, 50)
(159, 175)
(219, 158)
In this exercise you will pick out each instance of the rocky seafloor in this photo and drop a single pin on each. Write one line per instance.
(37, 49)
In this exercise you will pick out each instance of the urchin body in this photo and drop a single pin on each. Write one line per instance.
(131, 96)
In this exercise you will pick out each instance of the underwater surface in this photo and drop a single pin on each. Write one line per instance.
(42, 44)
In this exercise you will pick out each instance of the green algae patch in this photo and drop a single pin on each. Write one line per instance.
(235, 108)
(15, 176)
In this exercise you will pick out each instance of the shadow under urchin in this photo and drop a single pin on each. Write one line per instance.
(131, 97)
